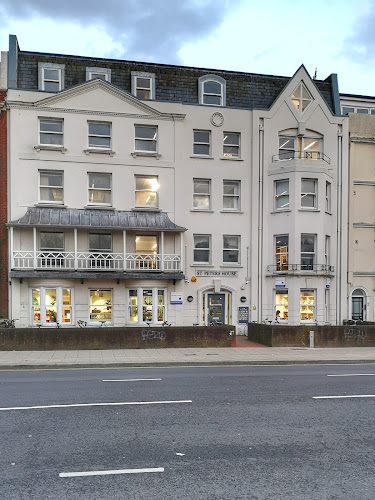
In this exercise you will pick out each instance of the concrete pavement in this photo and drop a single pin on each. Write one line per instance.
(184, 357)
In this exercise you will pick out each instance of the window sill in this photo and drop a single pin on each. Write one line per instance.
(202, 210)
(205, 157)
(145, 209)
(236, 265)
(41, 147)
(200, 264)
(231, 212)
(280, 211)
(99, 151)
(99, 207)
(146, 153)
(308, 210)
(231, 159)
(50, 205)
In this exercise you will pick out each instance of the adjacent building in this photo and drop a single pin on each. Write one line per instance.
(140, 193)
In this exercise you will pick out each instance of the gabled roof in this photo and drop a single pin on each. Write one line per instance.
(95, 219)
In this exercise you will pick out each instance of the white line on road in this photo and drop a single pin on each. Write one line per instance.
(132, 380)
(96, 404)
(109, 472)
(340, 397)
(353, 375)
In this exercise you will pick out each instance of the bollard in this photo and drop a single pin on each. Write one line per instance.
(311, 338)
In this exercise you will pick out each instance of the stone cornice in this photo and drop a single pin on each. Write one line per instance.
(367, 140)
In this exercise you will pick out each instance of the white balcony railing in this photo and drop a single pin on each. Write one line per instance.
(95, 261)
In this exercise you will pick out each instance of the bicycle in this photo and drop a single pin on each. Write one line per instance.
(84, 324)
(8, 323)
(165, 323)
(214, 322)
(57, 325)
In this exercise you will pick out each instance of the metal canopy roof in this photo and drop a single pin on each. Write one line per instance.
(96, 219)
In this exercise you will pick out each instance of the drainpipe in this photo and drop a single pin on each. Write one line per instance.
(260, 222)
(339, 225)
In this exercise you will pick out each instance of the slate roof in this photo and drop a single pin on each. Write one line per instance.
(172, 83)
(95, 219)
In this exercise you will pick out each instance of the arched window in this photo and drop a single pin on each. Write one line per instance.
(212, 90)
(358, 304)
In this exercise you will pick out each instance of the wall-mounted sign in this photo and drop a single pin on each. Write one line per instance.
(243, 314)
(243, 298)
(280, 283)
(212, 272)
(190, 298)
(176, 298)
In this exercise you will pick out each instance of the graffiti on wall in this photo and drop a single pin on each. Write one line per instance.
(152, 335)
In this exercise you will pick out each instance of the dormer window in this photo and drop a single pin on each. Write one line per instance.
(98, 74)
(143, 85)
(212, 90)
(51, 77)
(301, 97)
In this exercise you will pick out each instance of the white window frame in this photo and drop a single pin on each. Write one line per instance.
(313, 195)
(237, 145)
(328, 199)
(202, 143)
(42, 186)
(208, 249)
(153, 140)
(107, 322)
(139, 306)
(327, 251)
(281, 258)
(156, 190)
(313, 253)
(51, 133)
(60, 68)
(134, 84)
(92, 203)
(284, 292)
(199, 195)
(109, 136)
(300, 102)
(237, 249)
(91, 72)
(202, 93)
(59, 305)
(236, 197)
(283, 194)
(313, 305)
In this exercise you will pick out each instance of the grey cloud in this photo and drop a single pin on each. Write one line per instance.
(360, 46)
(147, 30)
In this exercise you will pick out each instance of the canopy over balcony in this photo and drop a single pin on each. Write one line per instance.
(98, 219)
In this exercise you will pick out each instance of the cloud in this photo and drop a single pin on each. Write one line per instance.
(151, 30)
(360, 46)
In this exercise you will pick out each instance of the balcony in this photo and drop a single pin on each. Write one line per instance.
(301, 155)
(296, 269)
(88, 261)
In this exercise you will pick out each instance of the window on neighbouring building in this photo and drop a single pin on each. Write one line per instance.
(98, 74)
(100, 305)
(202, 194)
(309, 193)
(212, 90)
(307, 305)
(281, 305)
(51, 187)
(328, 197)
(282, 252)
(99, 135)
(346, 110)
(231, 195)
(363, 111)
(100, 189)
(50, 132)
(231, 145)
(143, 85)
(231, 249)
(146, 138)
(301, 97)
(307, 252)
(51, 77)
(202, 142)
(202, 248)
(282, 195)
(146, 191)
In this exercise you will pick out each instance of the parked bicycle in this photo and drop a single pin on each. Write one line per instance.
(56, 325)
(214, 322)
(84, 324)
(8, 323)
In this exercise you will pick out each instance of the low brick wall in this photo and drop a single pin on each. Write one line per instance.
(43, 339)
(324, 336)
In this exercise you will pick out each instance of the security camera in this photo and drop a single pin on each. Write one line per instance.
(247, 282)
(187, 281)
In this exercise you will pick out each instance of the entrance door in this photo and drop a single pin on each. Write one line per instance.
(358, 304)
(216, 307)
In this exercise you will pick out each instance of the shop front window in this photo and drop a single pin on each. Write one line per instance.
(36, 306)
(51, 305)
(146, 305)
(161, 305)
(133, 306)
(281, 305)
(307, 305)
(100, 305)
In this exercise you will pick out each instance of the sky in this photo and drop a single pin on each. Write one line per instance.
(271, 37)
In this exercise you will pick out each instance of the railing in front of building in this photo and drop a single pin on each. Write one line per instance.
(300, 268)
(301, 155)
(90, 261)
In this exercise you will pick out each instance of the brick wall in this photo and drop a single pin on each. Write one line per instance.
(3, 212)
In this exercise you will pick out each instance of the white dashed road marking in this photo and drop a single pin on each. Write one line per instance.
(110, 472)
(342, 397)
(130, 403)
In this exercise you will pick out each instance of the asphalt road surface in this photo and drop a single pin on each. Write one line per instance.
(200, 433)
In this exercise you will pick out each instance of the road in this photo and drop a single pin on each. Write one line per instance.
(210, 433)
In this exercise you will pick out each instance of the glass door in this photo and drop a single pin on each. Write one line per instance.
(216, 307)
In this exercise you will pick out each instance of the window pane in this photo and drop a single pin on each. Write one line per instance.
(55, 139)
(98, 76)
(201, 201)
(145, 145)
(281, 304)
(201, 255)
(232, 139)
(286, 143)
(307, 243)
(201, 241)
(308, 186)
(346, 110)
(201, 149)
(101, 305)
(51, 86)
(145, 132)
(144, 82)
(99, 241)
(143, 94)
(48, 194)
(230, 202)
(231, 188)
(282, 187)
(230, 242)
(211, 87)
(100, 181)
(202, 137)
(146, 199)
(363, 111)
(99, 128)
(307, 305)
(308, 200)
(100, 196)
(201, 186)
(212, 99)
(51, 241)
(50, 179)
(51, 74)
(103, 142)
(50, 126)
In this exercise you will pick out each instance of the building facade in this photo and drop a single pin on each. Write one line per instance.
(140, 192)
